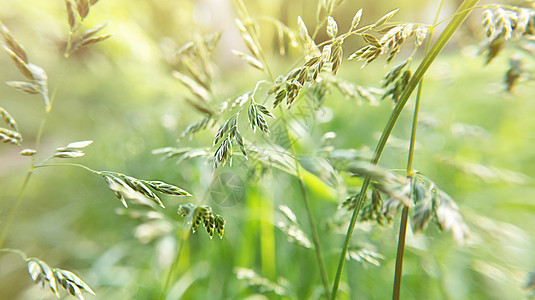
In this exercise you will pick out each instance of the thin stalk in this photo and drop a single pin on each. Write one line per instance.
(15, 208)
(413, 130)
(12, 213)
(464, 9)
(182, 240)
(69, 165)
(315, 237)
(20, 253)
(405, 212)
(400, 251)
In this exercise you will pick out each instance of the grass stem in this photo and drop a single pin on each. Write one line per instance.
(13, 211)
(400, 251)
(405, 212)
(20, 253)
(464, 9)
(69, 165)
(315, 237)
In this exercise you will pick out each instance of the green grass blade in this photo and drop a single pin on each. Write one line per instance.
(463, 11)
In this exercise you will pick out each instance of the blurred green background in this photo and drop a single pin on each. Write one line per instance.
(474, 140)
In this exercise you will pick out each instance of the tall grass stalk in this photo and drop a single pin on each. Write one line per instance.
(405, 212)
(463, 11)
(14, 209)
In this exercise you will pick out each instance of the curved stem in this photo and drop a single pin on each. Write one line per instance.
(446, 35)
(15, 208)
(405, 212)
(48, 109)
(68, 165)
(20, 253)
